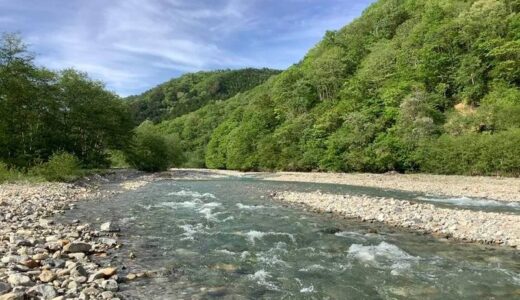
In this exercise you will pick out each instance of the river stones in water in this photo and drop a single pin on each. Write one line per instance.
(330, 230)
(109, 227)
(225, 267)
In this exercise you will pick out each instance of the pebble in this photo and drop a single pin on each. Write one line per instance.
(43, 259)
(476, 226)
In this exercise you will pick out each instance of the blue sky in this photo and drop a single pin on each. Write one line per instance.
(133, 45)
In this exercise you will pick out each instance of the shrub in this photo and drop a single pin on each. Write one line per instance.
(62, 166)
(5, 172)
(150, 151)
(117, 159)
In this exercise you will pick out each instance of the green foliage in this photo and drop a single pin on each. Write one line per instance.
(150, 151)
(474, 154)
(43, 112)
(191, 91)
(117, 159)
(8, 174)
(62, 166)
(409, 86)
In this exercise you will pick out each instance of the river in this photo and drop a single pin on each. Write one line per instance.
(226, 239)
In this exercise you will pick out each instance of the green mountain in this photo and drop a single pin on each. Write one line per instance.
(411, 86)
(192, 91)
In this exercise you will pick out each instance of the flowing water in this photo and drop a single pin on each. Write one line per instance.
(225, 239)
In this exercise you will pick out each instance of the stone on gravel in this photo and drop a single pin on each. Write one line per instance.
(103, 274)
(4, 288)
(19, 279)
(77, 247)
(42, 290)
(110, 285)
(47, 276)
(12, 296)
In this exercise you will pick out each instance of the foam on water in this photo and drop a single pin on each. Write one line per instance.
(311, 268)
(261, 277)
(191, 230)
(253, 235)
(306, 290)
(250, 207)
(225, 251)
(476, 202)
(185, 204)
(381, 255)
(188, 193)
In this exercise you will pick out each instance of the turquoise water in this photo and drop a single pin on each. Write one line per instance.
(225, 239)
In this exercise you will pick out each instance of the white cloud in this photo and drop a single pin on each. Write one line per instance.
(134, 44)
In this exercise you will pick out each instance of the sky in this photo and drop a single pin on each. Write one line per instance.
(133, 45)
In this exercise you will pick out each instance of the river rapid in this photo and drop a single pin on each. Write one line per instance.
(226, 239)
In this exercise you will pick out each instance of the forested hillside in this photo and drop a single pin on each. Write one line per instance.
(194, 90)
(412, 85)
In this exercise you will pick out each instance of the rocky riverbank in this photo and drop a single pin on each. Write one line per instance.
(42, 259)
(497, 188)
(466, 225)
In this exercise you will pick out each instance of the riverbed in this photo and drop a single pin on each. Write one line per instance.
(225, 238)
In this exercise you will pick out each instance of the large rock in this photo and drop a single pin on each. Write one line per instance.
(19, 279)
(77, 247)
(109, 227)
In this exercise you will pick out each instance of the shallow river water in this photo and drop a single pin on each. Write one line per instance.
(225, 239)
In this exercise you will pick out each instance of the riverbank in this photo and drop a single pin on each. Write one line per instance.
(464, 225)
(497, 188)
(43, 259)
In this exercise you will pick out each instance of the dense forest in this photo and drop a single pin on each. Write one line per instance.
(410, 86)
(191, 91)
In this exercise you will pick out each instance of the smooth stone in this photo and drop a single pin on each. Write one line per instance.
(45, 291)
(12, 296)
(103, 273)
(47, 276)
(4, 287)
(109, 227)
(110, 285)
(19, 279)
(30, 263)
(107, 295)
(77, 247)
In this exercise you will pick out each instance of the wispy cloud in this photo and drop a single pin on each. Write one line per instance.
(133, 44)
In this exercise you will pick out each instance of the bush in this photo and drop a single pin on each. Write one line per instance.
(150, 151)
(117, 159)
(7, 174)
(62, 166)
(473, 154)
